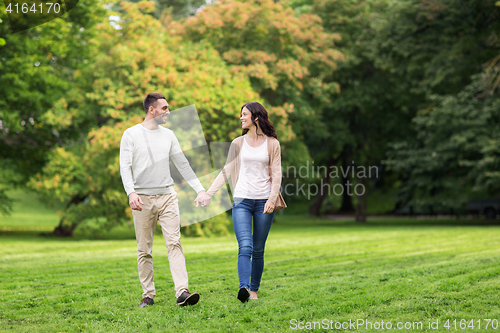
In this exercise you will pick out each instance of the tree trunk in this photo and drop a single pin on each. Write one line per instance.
(65, 229)
(347, 206)
(361, 207)
(315, 208)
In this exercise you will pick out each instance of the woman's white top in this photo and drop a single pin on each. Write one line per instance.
(254, 181)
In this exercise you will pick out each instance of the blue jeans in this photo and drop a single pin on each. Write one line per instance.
(251, 247)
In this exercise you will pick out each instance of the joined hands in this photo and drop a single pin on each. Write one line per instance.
(203, 198)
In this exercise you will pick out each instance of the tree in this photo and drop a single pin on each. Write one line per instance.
(40, 68)
(398, 54)
(285, 56)
(85, 173)
(456, 154)
(434, 53)
(358, 121)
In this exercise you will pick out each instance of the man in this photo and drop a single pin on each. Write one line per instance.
(145, 151)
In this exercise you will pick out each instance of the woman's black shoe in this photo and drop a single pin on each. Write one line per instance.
(243, 295)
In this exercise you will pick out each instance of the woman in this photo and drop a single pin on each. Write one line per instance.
(254, 166)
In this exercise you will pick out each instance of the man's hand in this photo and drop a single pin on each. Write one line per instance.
(269, 207)
(135, 202)
(203, 198)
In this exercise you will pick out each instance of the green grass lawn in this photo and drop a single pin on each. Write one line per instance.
(316, 270)
(29, 214)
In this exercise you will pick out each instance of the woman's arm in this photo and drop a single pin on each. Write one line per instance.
(275, 172)
(225, 173)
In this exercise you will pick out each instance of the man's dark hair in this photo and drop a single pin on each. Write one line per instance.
(151, 99)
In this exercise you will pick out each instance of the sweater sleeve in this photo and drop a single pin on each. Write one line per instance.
(226, 171)
(126, 149)
(182, 164)
(275, 171)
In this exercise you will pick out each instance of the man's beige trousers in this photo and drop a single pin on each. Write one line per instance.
(163, 208)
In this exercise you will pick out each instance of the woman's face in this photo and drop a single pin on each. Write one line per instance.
(246, 119)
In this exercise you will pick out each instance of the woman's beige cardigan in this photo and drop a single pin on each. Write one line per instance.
(232, 170)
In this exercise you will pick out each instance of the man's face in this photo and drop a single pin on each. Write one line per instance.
(161, 111)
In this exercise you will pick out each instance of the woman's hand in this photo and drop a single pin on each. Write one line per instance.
(269, 207)
(203, 198)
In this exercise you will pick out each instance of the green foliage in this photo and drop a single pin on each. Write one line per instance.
(357, 124)
(70, 87)
(6, 207)
(139, 58)
(39, 68)
(434, 46)
(215, 226)
(286, 57)
(8, 176)
(399, 56)
(434, 53)
(362, 119)
(184, 72)
(456, 154)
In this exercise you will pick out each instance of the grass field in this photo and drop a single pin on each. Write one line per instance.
(317, 270)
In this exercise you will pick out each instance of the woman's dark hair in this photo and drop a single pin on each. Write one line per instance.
(258, 111)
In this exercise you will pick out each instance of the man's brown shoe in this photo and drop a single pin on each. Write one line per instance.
(146, 301)
(187, 298)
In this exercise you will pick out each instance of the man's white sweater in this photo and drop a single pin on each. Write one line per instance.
(144, 161)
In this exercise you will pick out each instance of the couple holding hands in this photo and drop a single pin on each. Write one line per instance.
(254, 167)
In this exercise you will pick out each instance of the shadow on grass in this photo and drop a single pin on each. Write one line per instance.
(19, 234)
(119, 234)
(435, 222)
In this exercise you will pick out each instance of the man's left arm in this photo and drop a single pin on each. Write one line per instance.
(182, 164)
